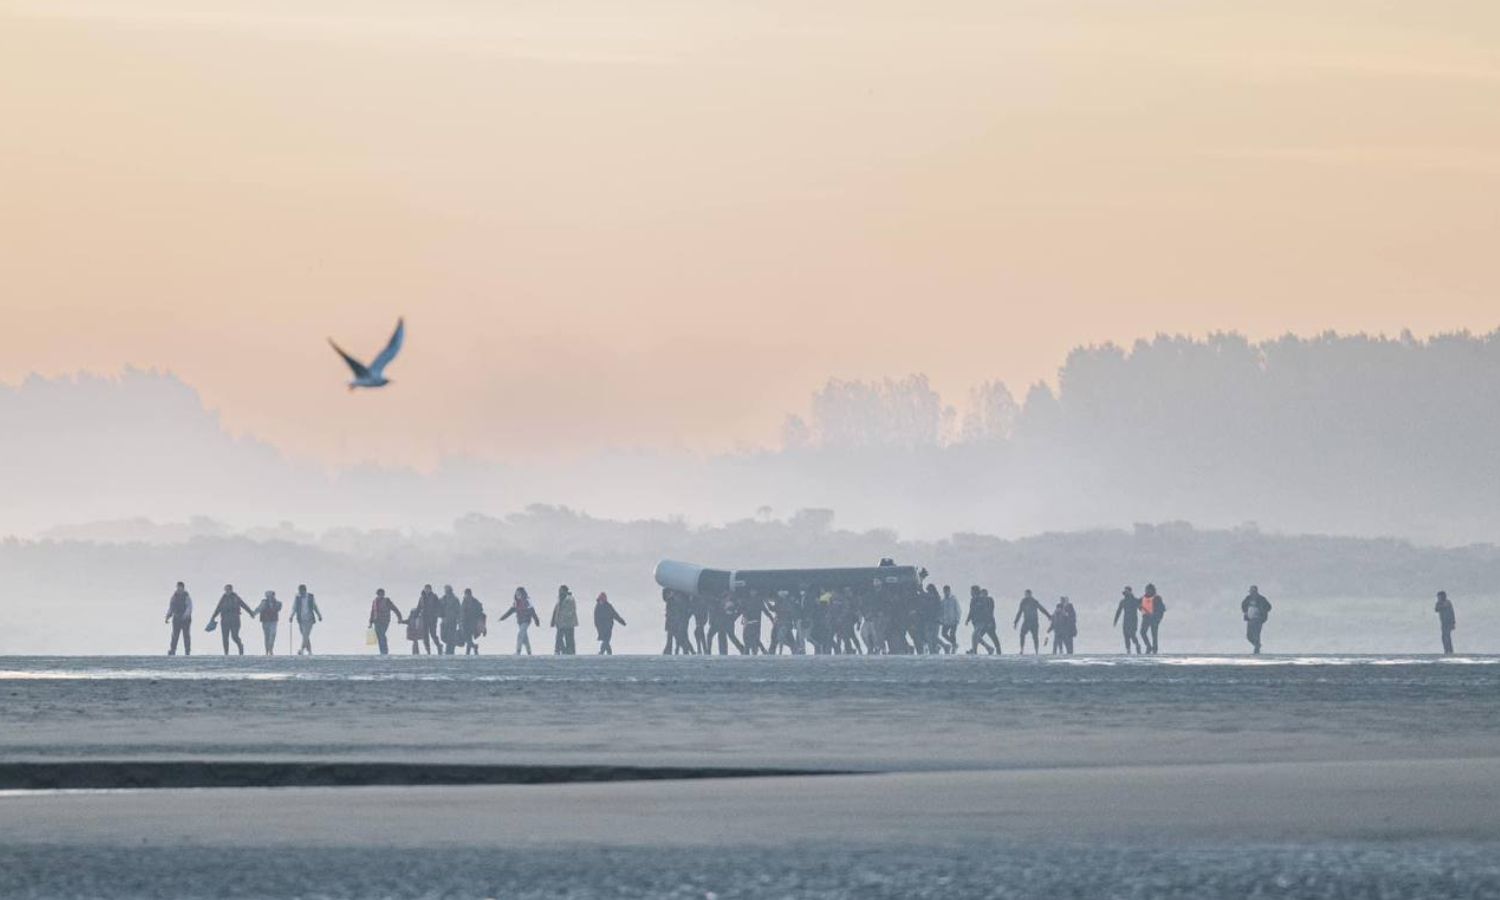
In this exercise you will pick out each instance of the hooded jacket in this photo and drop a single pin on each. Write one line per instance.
(605, 616)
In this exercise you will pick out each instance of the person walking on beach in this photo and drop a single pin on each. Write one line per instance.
(1446, 620)
(564, 619)
(474, 626)
(1153, 607)
(451, 609)
(982, 617)
(1127, 615)
(1256, 609)
(605, 619)
(416, 629)
(428, 611)
(227, 617)
(268, 611)
(1026, 618)
(526, 616)
(381, 610)
(306, 614)
(180, 614)
(951, 616)
(1064, 626)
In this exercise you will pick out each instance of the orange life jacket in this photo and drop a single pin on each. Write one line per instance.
(1148, 606)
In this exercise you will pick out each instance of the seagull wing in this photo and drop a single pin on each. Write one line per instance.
(358, 367)
(391, 349)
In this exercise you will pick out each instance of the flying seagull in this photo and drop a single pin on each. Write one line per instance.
(373, 375)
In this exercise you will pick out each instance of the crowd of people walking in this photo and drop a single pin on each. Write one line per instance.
(436, 623)
(817, 621)
(846, 621)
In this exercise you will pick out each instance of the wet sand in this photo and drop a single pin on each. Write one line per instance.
(982, 778)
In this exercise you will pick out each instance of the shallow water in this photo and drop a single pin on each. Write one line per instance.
(884, 712)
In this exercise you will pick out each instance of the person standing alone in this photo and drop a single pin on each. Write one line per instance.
(1446, 620)
(1256, 610)
(605, 619)
(180, 614)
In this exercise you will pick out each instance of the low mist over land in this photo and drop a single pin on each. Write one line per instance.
(116, 487)
(1341, 435)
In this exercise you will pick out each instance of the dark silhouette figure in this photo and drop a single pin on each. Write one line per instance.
(429, 613)
(269, 613)
(227, 617)
(473, 624)
(565, 620)
(1026, 618)
(1064, 626)
(381, 610)
(306, 614)
(180, 614)
(1153, 607)
(701, 610)
(721, 618)
(451, 626)
(982, 617)
(1257, 610)
(1446, 620)
(752, 610)
(679, 611)
(526, 616)
(1127, 616)
(605, 619)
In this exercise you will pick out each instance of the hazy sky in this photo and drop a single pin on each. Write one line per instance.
(666, 223)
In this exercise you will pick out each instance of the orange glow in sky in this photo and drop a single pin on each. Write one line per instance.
(666, 223)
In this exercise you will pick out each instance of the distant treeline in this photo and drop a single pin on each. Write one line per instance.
(1331, 434)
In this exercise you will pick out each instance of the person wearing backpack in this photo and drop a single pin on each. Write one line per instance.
(1256, 609)
(1153, 607)
(268, 611)
(381, 610)
(1446, 620)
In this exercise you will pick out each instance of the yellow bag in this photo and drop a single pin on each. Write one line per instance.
(370, 639)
